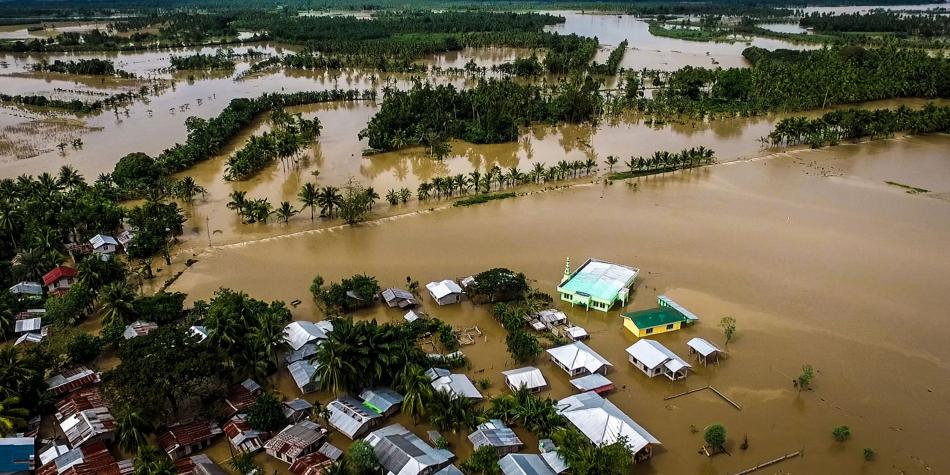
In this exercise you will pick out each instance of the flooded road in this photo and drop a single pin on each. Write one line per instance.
(818, 259)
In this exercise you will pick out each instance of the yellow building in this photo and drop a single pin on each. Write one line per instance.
(653, 321)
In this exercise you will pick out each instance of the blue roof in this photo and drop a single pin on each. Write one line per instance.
(16, 454)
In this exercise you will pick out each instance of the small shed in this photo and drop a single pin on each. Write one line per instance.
(593, 382)
(575, 333)
(295, 441)
(125, 237)
(704, 350)
(199, 464)
(331, 451)
(311, 464)
(104, 246)
(445, 292)
(399, 298)
(383, 401)
(651, 357)
(296, 409)
(72, 379)
(497, 435)
(350, 417)
(199, 331)
(60, 279)
(551, 318)
(27, 288)
(28, 325)
(138, 328)
(528, 377)
(305, 375)
(413, 315)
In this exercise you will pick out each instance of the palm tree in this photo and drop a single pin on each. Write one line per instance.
(69, 178)
(260, 210)
(329, 199)
(423, 191)
(285, 211)
(309, 196)
(334, 368)
(269, 333)
(15, 373)
(372, 195)
(187, 188)
(130, 432)
(589, 164)
(115, 300)
(392, 197)
(537, 171)
(153, 461)
(404, 195)
(475, 178)
(611, 161)
(416, 389)
(11, 416)
(239, 202)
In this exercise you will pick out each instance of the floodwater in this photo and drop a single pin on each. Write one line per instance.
(818, 259)
(866, 8)
(784, 28)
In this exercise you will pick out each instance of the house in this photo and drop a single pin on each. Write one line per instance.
(51, 452)
(199, 464)
(71, 380)
(182, 439)
(597, 284)
(704, 350)
(28, 325)
(125, 237)
(350, 417)
(305, 352)
(199, 331)
(91, 459)
(383, 401)
(578, 359)
(400, 452)
(305, 375)
(575, 333)
(331, 451)
(496, 434)
(241, 436)
(299, 333)
(27, 288)
(84, 417)
(296, 409)
(104, 246)
(241, 396)
(551, 318)
(668, 316)
(60, 279)
(311, 464)
(295, 441)
(653, 358)
(17, 454)
(138, 328)
(399, 298)
(458, 385)
(31, 338)
(445, 292)
(528, 377)
(551, 457)
(603, 423)
(412, 316)
(524, 464)
(593, 382)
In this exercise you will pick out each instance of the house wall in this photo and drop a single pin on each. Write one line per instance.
(642, 332)
(62, 283)
(589, 302)
(642, 367)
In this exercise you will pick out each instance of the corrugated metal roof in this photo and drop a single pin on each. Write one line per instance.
(295, 439)
(304, 373)
(456, 384)
(664, 300)
(653, 354)
(443, 288)
(702, 346)
(331, 451)
(528, 377)
(138, 328)
(348, 415)
(28, 288)
(100, 240)
(495, 434)
(17, 454)
(72, 379)
(28, 325)
(599, 279)
(602, 422)
(591, 382)
(299, 333)
(524, 464)
(401, 452)
(577, 355)
(380, 400)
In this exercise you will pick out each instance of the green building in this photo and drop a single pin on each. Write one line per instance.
(597, 284)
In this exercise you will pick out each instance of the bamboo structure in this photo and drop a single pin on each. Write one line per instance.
(770, 462)
(691, 391)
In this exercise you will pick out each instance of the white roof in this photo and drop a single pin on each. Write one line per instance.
(578, 355)
(29, 338)
(576, 332)
(25, 287)
(591, 382)
(125, 237)
(298, 334)
(199, 331)
(28, 325)
(443, 288)
(529, 377)
(552, 315)
(100, 240)
(602, 422)
(411, 316)
(653, 354)
(52, 452)
(702, 346)
(456, 384)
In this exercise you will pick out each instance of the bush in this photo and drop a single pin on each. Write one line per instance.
(715, 436)
(84, 348)
(869, 454)
(160, 308)
(335, 297)
(266, 414)
(523, 346)
(841, 433)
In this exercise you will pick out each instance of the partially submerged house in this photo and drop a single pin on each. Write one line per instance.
(524, 464)
(104, 246)
(241, 396)
(91, 459)
(597, 284)
(528, 377)
(305, 352)
(497, 435)
(17, 454)
(350, 417)
(457, 385)
(295, 441)
(551, 457)
(60, 279)
(311, 464)
(241, 436)
(299, 333)
(445, 292)
(183, 439)
(383, 401)
(304, 374)
(400, 452)
(399, 298)
(704, 350)
(593, 382)
(84, 417)
(666, 317)
(71, 380)
(138, 328)
(575, 333)
(551, 318)
(199, 464)
(653, 359)
(27, 288)
(412, 316)
(604, 423)
(578, 359)
(296, 409)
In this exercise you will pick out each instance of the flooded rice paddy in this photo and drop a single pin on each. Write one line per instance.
(816, 256)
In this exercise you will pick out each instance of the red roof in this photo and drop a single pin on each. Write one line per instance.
(312, 464)
(241, 396)
(57, 273)
(78, 401)
(72, 379)
(186, 434)
(96, 460)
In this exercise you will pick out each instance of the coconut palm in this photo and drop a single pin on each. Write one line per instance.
(334, 368)
(475, 178)
(69, 178)
(153, 461)
(115, 300)
(15, 374)
(423, 191)
(285, 211)
(589, 164)
(416, 389)
(309, 196)
(537, 172)
(259, 210)
(187, 188)
(611, 161)
(392, 196)
(11, 415)
(404, 195)
(329, 199)
(372, 195)
(131, 431)
(269, 333)
(239, 202)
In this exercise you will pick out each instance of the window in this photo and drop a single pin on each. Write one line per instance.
(669, 327)
(649, 331)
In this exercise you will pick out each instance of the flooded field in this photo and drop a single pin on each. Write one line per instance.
(784, 244)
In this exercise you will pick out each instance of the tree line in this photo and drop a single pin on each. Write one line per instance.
(284, 141)
(92, 67)
(879, 21)
(853, 124)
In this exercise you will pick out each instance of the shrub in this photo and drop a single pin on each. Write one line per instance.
(715, 436)
(841, 433)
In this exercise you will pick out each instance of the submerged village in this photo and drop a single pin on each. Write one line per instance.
(417, 237)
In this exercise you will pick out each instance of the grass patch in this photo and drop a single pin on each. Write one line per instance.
(475, 200)
(908, 188)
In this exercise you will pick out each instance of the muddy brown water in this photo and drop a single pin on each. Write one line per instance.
(818, 259)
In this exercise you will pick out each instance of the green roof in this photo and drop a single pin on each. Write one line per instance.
(654, 317)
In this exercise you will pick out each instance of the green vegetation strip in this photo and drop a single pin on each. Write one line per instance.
(909, 188)
(475, 200)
